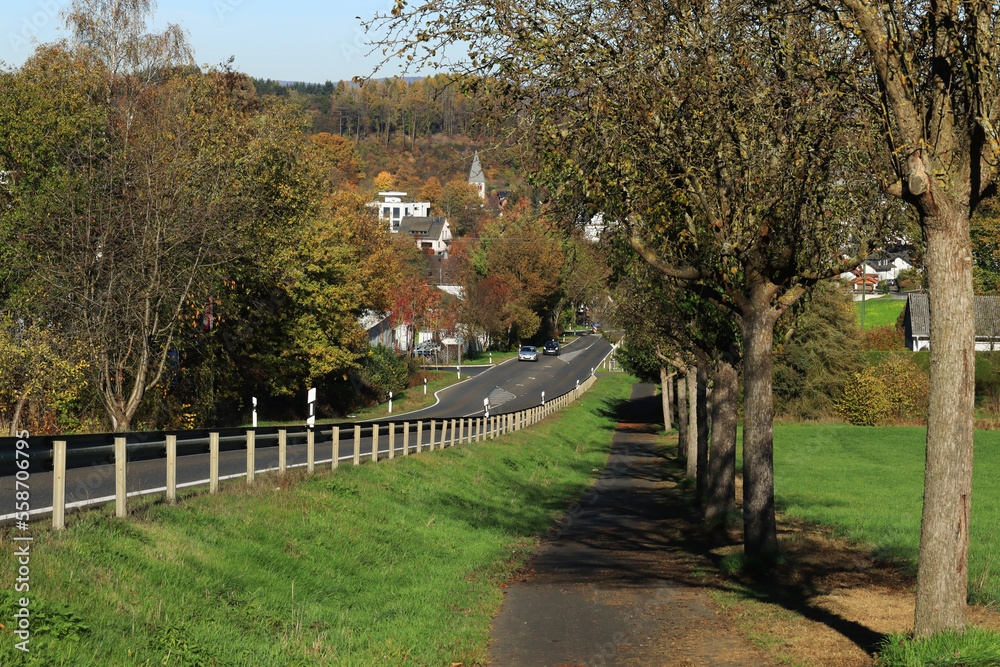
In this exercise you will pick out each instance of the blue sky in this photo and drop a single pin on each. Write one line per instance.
(297, 40)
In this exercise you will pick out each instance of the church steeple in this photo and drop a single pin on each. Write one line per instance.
(476, 176)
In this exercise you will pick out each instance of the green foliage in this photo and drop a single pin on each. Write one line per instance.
(975, 647)
(911, 279)
(383, 371)
(810, 371)
(893, 391)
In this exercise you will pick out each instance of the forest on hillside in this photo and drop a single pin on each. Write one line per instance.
(414, 130)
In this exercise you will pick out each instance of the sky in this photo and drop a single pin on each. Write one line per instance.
(290, 40)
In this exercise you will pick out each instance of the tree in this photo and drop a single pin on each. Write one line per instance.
(931, 83)
(338, 265)
(517, 264)
(462, 205)
(167, 173)
(35, 365)
(334, 158)
(713, 133)
(431, 192)
(384, 181)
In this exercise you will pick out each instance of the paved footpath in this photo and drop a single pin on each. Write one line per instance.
(600, 592)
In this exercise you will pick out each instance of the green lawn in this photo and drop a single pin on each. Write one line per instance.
(880, 312)
(387, 564)
(868, 482)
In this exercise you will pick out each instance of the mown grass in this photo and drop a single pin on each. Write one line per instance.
(868, 483)
(395, 563)
(880, 312)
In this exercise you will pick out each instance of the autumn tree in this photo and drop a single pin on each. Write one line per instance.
(36, 364)
(929, 80)
(334, 158)
(174, 172)
(516, 264)
(462, 205)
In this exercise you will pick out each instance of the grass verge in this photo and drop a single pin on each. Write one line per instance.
(395, 563)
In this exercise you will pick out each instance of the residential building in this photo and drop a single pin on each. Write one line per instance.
(393, 209)
(432, 234)
(917, 322)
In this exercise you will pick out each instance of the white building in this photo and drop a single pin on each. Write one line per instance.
(393, 209)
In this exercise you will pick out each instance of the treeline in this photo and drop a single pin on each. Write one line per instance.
(384, 107)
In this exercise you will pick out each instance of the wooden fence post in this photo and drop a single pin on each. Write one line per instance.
(392, 440)
(420, 429)
(335, 437)
(432, 435)
(120, 492)
(251, 455)
(310, 450)
(282, 451)
(171, 469)
(453, 440)
(374, 443)
(357, 444)
(406, 438)
(213, 462)
(59, 484)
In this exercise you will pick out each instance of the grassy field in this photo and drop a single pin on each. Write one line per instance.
(868, 482)
(880, 312)
(387, 564)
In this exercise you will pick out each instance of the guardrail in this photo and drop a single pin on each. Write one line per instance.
(400, 439)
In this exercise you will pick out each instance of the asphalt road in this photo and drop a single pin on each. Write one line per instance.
(508, 387)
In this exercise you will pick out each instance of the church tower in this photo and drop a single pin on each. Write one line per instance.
(476, 176)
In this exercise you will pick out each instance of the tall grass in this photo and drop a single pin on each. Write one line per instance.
(394, 563)
(868, 482)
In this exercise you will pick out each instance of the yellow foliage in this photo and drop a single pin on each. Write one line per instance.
(895, 390)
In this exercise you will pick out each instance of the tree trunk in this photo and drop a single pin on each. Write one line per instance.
(760, 539)
(942, 565)
(701, 404)
(691, 416)
(15, 420)
(682, 422)
(670, 400)
(721, 502)
(665, 398)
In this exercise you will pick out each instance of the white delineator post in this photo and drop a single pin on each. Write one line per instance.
(254, 423)
(390, 402)
(311, 400)
(425, 386)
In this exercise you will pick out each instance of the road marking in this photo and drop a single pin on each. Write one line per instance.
(500, 396)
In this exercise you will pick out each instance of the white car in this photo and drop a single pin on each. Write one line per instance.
(528, 353)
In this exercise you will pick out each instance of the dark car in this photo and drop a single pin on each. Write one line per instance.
(551, 347)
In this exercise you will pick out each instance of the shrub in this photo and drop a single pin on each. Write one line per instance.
(383, 371)
(893, 391)
(883, 338)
